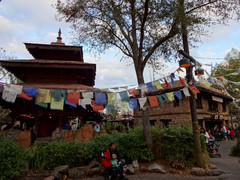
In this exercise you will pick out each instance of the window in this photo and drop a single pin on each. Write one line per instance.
(199, 101)
(152, 122)
(165, 122)
(213, 105)
(176, 102)
(224, 109)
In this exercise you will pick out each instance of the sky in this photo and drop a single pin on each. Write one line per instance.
(34, 21)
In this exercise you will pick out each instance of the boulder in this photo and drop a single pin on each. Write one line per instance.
(49, 178)
(217, 172)
(130, 169)
(143, 168)
(60, 171)
(135, 166)
(212, 166)
(157, 168)
(76, 173)
(197, 171)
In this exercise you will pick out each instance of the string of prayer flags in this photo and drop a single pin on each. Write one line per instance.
(25, 96)
(157, 85)
(194, 89)
(170, 96)
(73, 97)
(123, 105)
(112, 98)
(132, 103)
(124, 96)
(100, 98)
(57, 105)
(97, 107)
(153, 101)
(182, 81)
(186, 92)
(70, 104)
(43, 96)
(206, 84)
(30, 91)
(178, 94)
(132, 91)
(166, 83)
(59, 94)
(142, 101)
(149, 85)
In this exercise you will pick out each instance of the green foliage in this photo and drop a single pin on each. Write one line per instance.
(110, 126)
(13, 160)
(235, 150)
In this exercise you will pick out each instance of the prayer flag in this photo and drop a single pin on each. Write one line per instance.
(1, 87)
(73, 97)
(160, 99)
(14, 88)
(124, 96)
(210, 80)
(97, 107)
(57, 105)
(157, 85)
(132, 91)
(166, 83)
(153, 101)
(172, 78)
(170, 96)
(206, 84)
(100, 98)
(43, 96)
(112, 98)
(178, 94)
(182, 81)
(163, 97)
(194, 89)
(142, 101)
(84, 102)
(59, 94)
(25, 96)
(149, 85)
(9, 95)
(71, 104)
(30, 91)
(133, 103)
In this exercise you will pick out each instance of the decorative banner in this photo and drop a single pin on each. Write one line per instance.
(178, 94)
(84, 102)
(132, 91)
(100, 98)
(194, 89)
(170, 96)
(124, 96)
(43, 105)
(97, 107)
(167, 85)
(160, 99)
(73, 97)
(58, 95)
(142, 101)
(71, 104)
(43, 96)
(172, 78)
(9, 95)
(149, 85)
(25, 96)
(57, 105)
(30, 91)
(112, 98)
(153, 101)
(206, 84)
(182, 81)
(186, 92)
(157, 85)
(210, 80)
(133, 103)
(164, 97)
(14, 88)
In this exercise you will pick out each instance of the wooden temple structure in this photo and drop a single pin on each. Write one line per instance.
(55, 66)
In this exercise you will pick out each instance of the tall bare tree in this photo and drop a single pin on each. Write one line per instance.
(142, 29)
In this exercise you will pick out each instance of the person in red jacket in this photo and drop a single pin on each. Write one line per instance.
(232, 132)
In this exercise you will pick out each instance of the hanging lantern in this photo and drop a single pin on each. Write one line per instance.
(199, 72)
(185, 63)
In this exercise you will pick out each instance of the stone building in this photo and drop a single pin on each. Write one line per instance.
(212, 109)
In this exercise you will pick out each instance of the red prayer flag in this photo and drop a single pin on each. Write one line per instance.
(167, 85)
(182, 81)
(194, 89)
(132, 91)
(73, 97)
(97, 107)
(153, 101)
(25, 96)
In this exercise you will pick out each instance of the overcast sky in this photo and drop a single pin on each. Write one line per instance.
(34, 21)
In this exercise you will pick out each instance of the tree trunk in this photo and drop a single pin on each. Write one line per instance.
(145, 113)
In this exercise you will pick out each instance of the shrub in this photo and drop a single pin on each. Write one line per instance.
(13, 160)
(235, 150)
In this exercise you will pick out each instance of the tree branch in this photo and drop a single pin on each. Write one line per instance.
(203, 5)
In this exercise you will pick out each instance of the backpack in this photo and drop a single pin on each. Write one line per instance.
(105, 158)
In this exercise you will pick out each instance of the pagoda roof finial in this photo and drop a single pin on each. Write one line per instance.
(59, 38)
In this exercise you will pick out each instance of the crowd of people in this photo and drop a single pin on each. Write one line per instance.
(221, 133)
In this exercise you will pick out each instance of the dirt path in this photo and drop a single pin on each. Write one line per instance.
(230, 165)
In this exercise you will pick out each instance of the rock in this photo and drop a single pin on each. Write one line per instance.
(76, 173)
(130, 169)
(135, 166)
(143, 168)
(212, 166)
(92, 171)
(173, 171)
(197, 171)
(217, 172)
(60, 171)
(156, 168)
(49, 178)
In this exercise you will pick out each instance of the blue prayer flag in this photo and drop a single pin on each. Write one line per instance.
(71, 104)
(100, 98)
(150, 86)
(133, 103)
(178, 94)
(30, 91)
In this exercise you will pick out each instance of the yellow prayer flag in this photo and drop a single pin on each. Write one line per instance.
(57, 105)
(206, 84)
(43, 96)
(170, 96)
(112, 97)
(157, 85)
